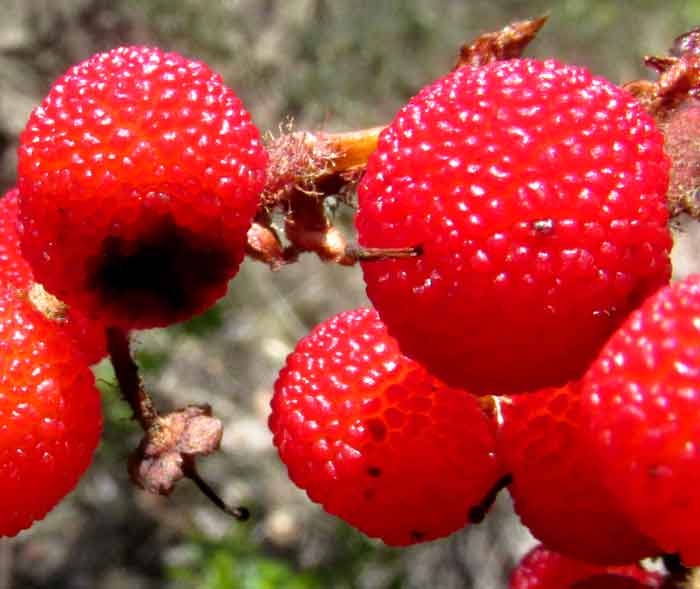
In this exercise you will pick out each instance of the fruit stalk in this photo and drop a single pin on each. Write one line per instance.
(128, 377)
(172, 442)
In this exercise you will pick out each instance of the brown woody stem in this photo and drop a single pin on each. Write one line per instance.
(128, 377)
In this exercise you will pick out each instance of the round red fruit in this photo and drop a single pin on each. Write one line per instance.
(377, 440)
(643, 400)
(49, 410)
(14, 269)
(557, 489)
(139, 175)
(16, 273)
(542, 568)
(536, 193)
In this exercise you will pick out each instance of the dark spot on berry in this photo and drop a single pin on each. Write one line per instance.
(377, 428)
(543, 227)
(166, 272)
(417, 535)
(374, 471)
(368, 494)
(658, 471)
(674, 564)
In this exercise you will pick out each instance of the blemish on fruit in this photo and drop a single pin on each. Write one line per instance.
(659, 471)
(164, 272)
(374, 471)
(377, 428)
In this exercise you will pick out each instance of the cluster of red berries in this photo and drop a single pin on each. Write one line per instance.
(535, 193)
(535, 196)
(138, 178)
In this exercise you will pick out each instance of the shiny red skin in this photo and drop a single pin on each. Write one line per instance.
(139, 175)
(537, 194)
(16, 273)
(558, 488)
(50, 414)
(375, 439)
(643, 401)
(542, 568)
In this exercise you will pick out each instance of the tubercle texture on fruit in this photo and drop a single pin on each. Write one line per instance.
(50, 414)
(16, 274)
(15, 270)
(641, 397)
(375, 439)
(558, 488)
(543, 568)
(538, 194)
(139, 176)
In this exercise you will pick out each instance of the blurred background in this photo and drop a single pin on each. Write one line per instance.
(324, 64)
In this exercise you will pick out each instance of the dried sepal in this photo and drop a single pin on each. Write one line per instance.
(508, 43)
(679, 77)
(674, 102)
(170, 444)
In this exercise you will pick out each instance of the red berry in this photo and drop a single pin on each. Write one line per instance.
(542, 568)
(16, 273)
(537, 194)
(375, 439)
(14, 269)
(139, 176)
(557, 489)
(643, 398)
(49, 410)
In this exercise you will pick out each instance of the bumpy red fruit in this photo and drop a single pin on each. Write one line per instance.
(537, 194)
(50, 414)
(557, 488)
(542, 568)
(375, 439)
(16, 273)
(14, 269)
(139, 176)
(643, 399)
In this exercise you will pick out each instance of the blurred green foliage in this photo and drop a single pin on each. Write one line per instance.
(237, 562)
